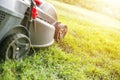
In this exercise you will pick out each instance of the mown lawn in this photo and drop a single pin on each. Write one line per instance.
(88, 52)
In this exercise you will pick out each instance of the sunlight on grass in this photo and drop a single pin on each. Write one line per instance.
(108, 7)
(99, 44)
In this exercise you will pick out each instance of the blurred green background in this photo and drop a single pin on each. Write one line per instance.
(108, 7)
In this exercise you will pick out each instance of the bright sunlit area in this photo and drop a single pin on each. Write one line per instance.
(110, 7)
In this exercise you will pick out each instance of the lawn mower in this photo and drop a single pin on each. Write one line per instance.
(25, 24)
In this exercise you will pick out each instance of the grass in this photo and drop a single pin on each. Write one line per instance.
(89, 51)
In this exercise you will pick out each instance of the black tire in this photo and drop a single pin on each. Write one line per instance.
(15, 47)
(60, 31)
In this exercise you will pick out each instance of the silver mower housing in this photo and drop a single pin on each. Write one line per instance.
(43, 33)
(11, 15)
(14, 44)
(19, 35)
(46, 29)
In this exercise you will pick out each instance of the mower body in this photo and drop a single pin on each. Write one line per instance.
(19, 32)
(11, 15)
(43, 33)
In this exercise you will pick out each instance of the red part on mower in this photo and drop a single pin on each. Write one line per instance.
(34, 13)
(38, 2)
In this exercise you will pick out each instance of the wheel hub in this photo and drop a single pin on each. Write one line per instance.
(19, 47)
